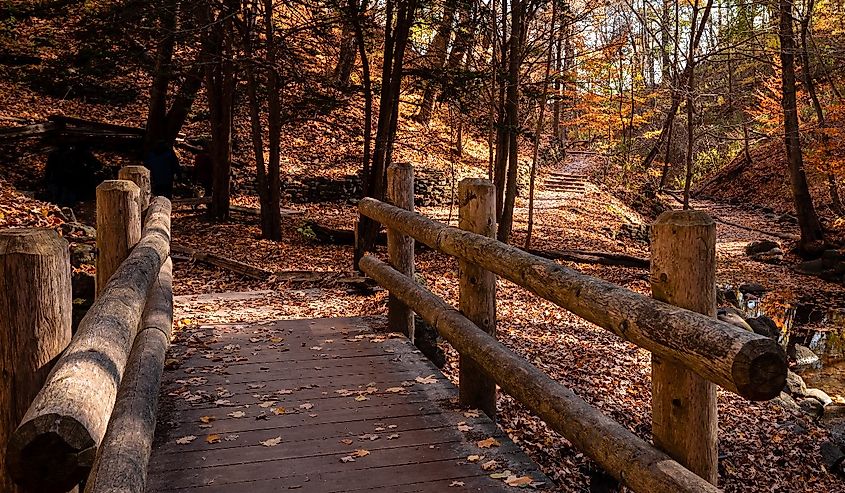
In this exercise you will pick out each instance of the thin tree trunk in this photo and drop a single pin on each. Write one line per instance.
(812, 237)
(539, 129)
(436, 53)
(274, 124)
(835, 200)
(512, 110)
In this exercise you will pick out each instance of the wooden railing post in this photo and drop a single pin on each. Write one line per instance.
(35, 325)
(400, 247)
(140, 176)
(683, 273)
(477, 199)
(118, 226)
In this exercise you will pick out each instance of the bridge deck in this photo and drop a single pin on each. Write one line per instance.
(323, 405)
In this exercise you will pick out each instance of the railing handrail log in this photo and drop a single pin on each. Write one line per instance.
(53, 448)
(748, 364)
(122, 458)
(622, 454)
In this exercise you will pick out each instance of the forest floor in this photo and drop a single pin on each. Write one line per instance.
(763, 446)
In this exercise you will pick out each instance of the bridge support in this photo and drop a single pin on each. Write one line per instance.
(140, 176)
(35, 300)
(118, 226)
(400, 247)
(683, 273)
(477, 199)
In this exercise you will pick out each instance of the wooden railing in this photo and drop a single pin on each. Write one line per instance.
(93, 419)
(690, 351)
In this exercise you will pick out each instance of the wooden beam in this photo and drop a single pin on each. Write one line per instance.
(54, 447)
(751, 365)
(622, 454)
(35, 325)
(121, 463)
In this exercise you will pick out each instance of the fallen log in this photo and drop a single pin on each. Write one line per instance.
(588, 257)
(622, 454)
(121, 463)
(222, 262)
(27, 131)
(54, 447)
(751, 365)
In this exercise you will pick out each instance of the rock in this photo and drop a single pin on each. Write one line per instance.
(753, 288)
(811, 406)
(819, 395)
(834, 458)
(805, 358)
(78, 230)
(760, 246)
(810, 267)
(795, 385)
(733, 319)
(81, 253)
(786, 401)
(787, 219)
(764, 326)
(773, 256)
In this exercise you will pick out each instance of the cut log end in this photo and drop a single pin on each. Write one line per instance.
(684, 218)
(759, 370)
(49, 454)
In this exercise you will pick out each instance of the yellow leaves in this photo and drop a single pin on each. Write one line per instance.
(488, 442)
(278, 411)
(207, 419)
(213, 438)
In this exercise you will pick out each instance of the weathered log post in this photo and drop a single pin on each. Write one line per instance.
(477, 213)
(55, 445)
(683, 273)
(35, 325)
(140, 176)
(118, 226)
(121, 464)
(400, 247)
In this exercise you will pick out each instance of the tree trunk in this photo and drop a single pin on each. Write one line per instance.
(436, 53)
(512, 110)
(273, 213)
(812, 237)
(396, 40)
(157, 117)
(346, 57)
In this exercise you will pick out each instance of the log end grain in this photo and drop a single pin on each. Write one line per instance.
(48, 454)
(759, 369)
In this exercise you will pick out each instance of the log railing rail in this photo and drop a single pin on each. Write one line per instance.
(711, 351)
(94, 417)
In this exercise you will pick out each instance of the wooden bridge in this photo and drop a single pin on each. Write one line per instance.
(332, 405)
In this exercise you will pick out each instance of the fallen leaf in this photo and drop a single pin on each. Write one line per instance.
(213, 438)
(237, 414)
(279, 411)
(488, 442)
(361, 453)
(272, 442)
(362, 398)
(186, 439)
(518, 481)
(348, 458)
(207, 419)
(456, 483)
(346, 441)
(489, 465)
(267, 404)
(474, 458)
(307, 405)
(393, 436)
(501, 475)
(426, 380)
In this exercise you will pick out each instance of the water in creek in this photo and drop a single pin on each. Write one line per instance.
(809, 324)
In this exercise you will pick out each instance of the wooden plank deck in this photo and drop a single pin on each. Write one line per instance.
(338, 408)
